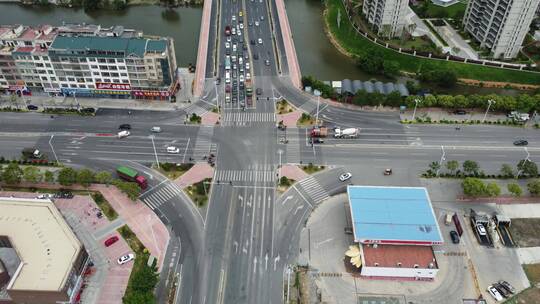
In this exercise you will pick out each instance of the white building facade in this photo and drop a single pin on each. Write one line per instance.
(500, 25)
(386, 16)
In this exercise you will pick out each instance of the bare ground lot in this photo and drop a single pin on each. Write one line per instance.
(525, 232)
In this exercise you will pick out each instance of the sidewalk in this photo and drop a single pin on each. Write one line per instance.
(194, 175)
(288, 43)
(437, 114)
(293, 172)
(200, 71)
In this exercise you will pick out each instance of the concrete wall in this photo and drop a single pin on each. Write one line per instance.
(422, 273)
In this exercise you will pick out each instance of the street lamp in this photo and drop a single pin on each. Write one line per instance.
(318, 94)
(416, 101)
(526, 160)
(441, 161)
(490, 102)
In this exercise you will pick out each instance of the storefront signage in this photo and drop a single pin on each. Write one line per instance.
(151, 93)
(113, 86)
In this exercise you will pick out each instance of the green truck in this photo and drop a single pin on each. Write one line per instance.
(132, 175)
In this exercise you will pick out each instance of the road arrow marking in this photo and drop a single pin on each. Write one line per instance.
(276, 259)
(266, 262)
(298, 208)
(254, 264)
(286, 199)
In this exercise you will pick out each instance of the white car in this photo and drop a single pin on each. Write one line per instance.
(155, 130)
(481, 229)
(259, 41)
(45, 196)
(241, 26)
(173, 150)
(234, 47)
(234, 18)
(495, 293)
(227, 45)
(125, 258)
(239, 32)
(256, 23)
(123, 134)
(233, 31)
(229, 39)
(241, 78)
(247, 65)
(345, 176)
(248, 76)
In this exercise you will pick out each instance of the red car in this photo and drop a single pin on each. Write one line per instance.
(227, 30)
(228, 88)
(111, 240)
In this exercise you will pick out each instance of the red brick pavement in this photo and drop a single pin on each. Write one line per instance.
(200, 71)
(194, 175)
(290, 51)
(290, 119)
(293, 172)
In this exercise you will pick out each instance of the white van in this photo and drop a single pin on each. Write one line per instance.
(123, 134)
(227, 77)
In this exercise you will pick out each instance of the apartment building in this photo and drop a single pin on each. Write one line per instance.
(87, 61)
(387, 17)
(500, 25)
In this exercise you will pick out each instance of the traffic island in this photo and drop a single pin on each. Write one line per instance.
(284, 184)
(311, 169)
(306, 120)
(174, 170)
(199, 192)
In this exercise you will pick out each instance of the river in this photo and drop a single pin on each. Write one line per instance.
(316, 55)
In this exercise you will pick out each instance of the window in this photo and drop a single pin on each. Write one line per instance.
(91, 59)
(62, 78)
(95, 73)
(36, 57)
(94, 66)
(71, 79)
(114, 74)
(105, 74)
(119, 60)
(110, 61)
(43, 78)
(101, 60)
(103, 67)
(121, 67)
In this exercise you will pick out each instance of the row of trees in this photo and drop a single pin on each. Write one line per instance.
(469, 168)
(523, 102)
(476, 188)
(373, 62)
(13, 174)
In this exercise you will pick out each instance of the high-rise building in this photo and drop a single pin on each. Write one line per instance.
(500, 25)
(386, 16)
(86, 61)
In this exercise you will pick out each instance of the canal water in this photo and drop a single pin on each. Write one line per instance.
(316, 55)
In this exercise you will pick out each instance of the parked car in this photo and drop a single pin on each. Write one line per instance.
(481, 229)
(126, 258)
(125, 127)
(460, 112)
(155, 129)
(32, 107)
(388, 171)
(494, 293)
(345, 176)
(63, 194)
(173, 150)
(455, 237)
(45, 196)
(88, 110)
(113, 239)
(507, 286)
(521, 142)
(505, 293)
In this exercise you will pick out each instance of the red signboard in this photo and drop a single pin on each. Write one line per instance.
(113, 86)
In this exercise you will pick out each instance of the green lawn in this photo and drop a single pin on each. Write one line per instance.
(355, 44)
(434, 11)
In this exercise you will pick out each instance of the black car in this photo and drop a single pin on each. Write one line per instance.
(455, 237)
(258, 91)
(252, 42)
(32, 107)
(316, 141)
(125, 127)
(460, 112)
(521, 142)
(88, 110)
(256, 56)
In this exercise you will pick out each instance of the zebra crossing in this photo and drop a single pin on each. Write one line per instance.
(244, 175)
(245, 118)
(193, 108)
(161, 196)
(314, 189)
(292, 148)
(203, 143)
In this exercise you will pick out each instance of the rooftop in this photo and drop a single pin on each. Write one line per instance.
(393, 215)
(407, 255)
(43, 241)
(128, 46)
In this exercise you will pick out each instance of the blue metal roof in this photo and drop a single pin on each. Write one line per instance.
(392, 215)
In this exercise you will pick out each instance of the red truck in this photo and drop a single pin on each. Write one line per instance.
(131, 175)
(319, 132)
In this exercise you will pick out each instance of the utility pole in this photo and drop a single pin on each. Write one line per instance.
(416, 101)
(318, 94)
(490, 102)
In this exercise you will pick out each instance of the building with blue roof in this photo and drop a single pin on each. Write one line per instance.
(393, 215)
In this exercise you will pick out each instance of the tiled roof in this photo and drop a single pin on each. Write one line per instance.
(129, 46)
(407, 255)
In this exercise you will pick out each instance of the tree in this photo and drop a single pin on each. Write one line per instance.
(132, 190)
(48, 176)
(527, 168)
(434, 167)
(67, 176)
(91, 5)
(12, 174)
(119, 5)
(470, 167)
(104, 177)
(137, 297)
(534, 187)
(473, 187)
(507, 171)
(515, 189)
(32, 174)
(452, 166)
(145, 279)
(391, 68)
(492, 189)
(85, 177)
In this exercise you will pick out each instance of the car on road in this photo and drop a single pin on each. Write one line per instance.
(262, 17)
(234, 47)
(316, 141)
(155, 129)
(252, 41)
(388, 171)
(481, 229)
(256, 56)
(240, 14)
(227, 45)
(248, 76)
(247, 65)
(123, 134)
(228, 38)
(32, 107)
(113, 239)
(233, 17)
(267, 62)
(173, 150)
(227, 31)
(241, 78)
(227, 88)
(124, 127)
(494, 293)
(521, 142)
(239, 33)
(87, 110)
(256, 23)
(259, 41)
(250, 23)
(507, 286)
(258, 91)
(345, 176)
(460, 112)
(126, 258)
(233, 31)
(241, 26)
(45, 196)
(454, 236)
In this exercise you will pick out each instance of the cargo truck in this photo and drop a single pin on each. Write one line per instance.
(346, 133)
(319, 132)
(131, 175)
